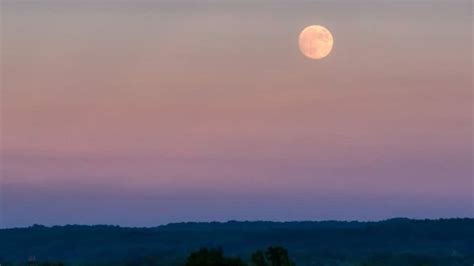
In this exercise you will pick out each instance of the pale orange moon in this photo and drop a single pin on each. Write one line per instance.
(316, 42)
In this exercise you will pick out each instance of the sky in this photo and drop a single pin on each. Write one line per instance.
(145, 113)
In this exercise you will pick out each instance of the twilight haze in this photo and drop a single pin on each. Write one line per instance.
(147, 113)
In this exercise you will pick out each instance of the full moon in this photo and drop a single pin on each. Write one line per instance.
(315, 42)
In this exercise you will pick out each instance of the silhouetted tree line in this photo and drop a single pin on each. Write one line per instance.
(394, 242)
(273, 256)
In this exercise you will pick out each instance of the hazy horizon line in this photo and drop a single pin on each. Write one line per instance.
(241, 221)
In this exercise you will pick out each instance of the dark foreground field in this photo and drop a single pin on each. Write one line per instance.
(392, 242)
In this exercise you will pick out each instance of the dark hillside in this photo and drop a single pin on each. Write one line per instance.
(441, 242)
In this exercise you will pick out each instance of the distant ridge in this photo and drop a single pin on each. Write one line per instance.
(253, 222)
(445, 240)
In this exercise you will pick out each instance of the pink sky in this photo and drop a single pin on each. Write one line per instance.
(210, 112)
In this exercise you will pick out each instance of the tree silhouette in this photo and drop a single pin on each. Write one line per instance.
(212, 257)
(278, 256)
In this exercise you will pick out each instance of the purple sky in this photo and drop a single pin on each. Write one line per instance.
(147, 113)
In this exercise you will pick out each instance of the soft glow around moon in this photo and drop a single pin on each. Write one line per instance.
(316, 42)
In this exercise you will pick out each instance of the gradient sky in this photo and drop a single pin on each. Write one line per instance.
(147, 113)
